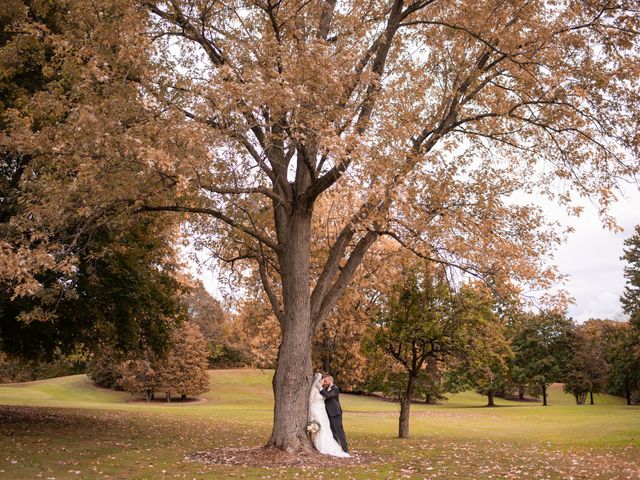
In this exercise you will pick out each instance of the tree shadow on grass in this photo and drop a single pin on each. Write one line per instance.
(45, 421)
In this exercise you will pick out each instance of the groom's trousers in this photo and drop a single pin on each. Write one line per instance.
(338, 431)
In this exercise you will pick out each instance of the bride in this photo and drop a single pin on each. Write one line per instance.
(324, 441)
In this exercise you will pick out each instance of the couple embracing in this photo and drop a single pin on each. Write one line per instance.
(325, 411)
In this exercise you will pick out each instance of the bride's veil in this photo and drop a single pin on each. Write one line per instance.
(316, 381)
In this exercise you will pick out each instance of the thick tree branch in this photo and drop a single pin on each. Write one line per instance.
(331, 267)
(267, 192)
(414, 7)
(336, 253)
(398, 355)
(335, 292)
(326, 17)
(266, 284)
(213, 213)
(381, 47)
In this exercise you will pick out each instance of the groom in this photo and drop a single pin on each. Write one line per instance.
(330, 393)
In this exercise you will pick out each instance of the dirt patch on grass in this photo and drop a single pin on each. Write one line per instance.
(268, 457)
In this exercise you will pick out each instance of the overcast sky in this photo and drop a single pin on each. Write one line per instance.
(591, 259)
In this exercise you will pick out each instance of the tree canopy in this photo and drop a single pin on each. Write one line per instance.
(423, 318)
(543, 348)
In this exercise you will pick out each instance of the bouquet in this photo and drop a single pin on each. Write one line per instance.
(313, 427)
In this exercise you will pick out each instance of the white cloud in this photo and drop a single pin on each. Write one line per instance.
(591, 258)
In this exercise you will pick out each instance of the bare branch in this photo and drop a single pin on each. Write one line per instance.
(471, 271)
(189, 31)
(398, 354)
(414, 7)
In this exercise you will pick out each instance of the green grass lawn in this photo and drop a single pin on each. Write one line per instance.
(67, 428)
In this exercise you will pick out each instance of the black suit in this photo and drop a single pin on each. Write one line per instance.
(332, 404)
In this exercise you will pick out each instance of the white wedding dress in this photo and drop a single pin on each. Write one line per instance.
(324, 441)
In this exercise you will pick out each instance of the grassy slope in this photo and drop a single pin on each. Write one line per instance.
(135, 439)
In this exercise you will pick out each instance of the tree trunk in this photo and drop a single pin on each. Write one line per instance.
(183, 396)
(591, 395)
(521, 392)
(405, 408)
(149, 395)
(168, 394)
(628, 392)
(292, 379)
(544, 395)
(490, 402)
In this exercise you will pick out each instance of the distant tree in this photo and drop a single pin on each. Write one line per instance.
(483, 366)
(587, 369)
(180, 370)
(576, 380)
(262, 331)
(423, 318)
(430, 384)
(631, 295)
(624, 354)
(516, 382)
(484, 369)
(184, 370)
(226, 343)
(542, 349)
(103, 366)
(623, 357)
(138, 376)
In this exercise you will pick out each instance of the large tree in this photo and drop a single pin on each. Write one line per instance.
(415, 118)
(423, 318)
(631, 296)
(543, 348)
(623, 357)
(587, 368)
